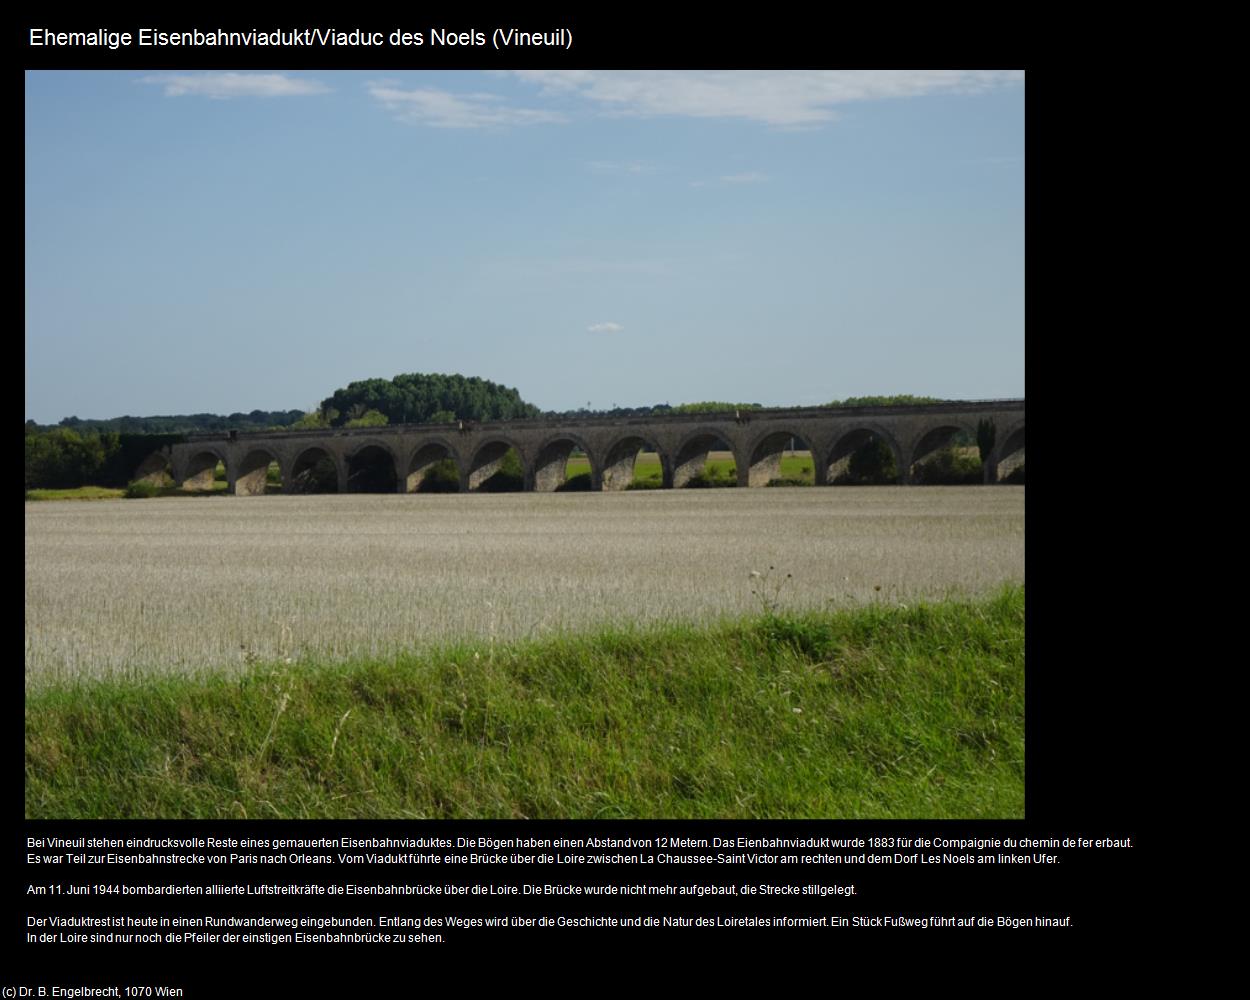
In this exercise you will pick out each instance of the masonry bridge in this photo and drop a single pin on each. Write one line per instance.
(401, 456)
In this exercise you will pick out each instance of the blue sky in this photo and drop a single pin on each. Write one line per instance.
(234, 241)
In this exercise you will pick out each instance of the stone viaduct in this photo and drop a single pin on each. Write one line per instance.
(405, 453)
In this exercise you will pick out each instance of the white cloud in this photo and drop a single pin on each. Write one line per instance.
(224, 85)
(443, 109)
(797, 98)
(605, 328)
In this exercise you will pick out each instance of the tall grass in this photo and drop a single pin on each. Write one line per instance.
(883, 711)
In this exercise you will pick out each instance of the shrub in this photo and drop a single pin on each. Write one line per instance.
(443, 477)
(949, 467)
(711, 479)
(812, 639)
(140, 489)
(581, 481)
(871, 464)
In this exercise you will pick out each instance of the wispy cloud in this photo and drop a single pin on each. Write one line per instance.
(605, 328)
(220, 86)
(794, 99)
(443, 109)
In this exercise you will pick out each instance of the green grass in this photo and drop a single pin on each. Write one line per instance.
(81, 493)
(878, 712)
(219, 488)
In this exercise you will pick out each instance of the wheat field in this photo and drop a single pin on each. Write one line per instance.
(134, 587)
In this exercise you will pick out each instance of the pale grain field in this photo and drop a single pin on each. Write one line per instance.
(141, 586)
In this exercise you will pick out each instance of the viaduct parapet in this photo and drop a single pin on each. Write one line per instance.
(756, 438)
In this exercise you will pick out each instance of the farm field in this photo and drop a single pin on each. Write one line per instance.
(141, 587)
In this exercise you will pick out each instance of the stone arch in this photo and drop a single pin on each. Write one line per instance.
(313, 471)
(621, 459)
(201, 468)
(840, 461)
(551, 460)
(487, 459)
(932, 441)
(253, 474)
(766, 452)
(691, 456)
(157, 468)
(423, 461)
(1009, 456)
(372, 467)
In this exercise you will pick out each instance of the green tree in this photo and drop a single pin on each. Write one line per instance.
(986, 433)
(62, 458)
(420, 398)
(369, 418)
(314, 420)
(872, 464)
(712, 407)
(899, 400)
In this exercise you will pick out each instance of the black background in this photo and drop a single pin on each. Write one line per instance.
(1085, 760)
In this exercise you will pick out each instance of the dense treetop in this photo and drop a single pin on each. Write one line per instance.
(418, 399)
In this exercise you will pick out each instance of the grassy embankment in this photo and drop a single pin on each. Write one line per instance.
(109, 493)
(81, 493)
(877, 712)
(219, 488)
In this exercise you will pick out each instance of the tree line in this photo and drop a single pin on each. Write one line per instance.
(63, 458)
(184, 423)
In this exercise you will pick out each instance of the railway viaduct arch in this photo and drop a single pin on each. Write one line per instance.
(400, 457)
